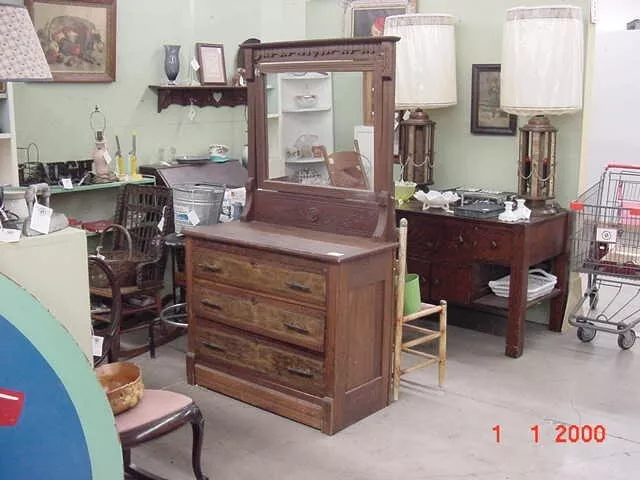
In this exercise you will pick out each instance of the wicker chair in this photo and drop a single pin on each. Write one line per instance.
(146, 212)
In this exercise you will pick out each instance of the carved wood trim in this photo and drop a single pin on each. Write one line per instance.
(317, 213)
(200, 96)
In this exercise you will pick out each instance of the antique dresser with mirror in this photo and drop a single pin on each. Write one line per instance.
(290, 309)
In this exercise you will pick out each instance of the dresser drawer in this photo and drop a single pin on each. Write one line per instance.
(236, 307)
(273, 274)
(277, 363)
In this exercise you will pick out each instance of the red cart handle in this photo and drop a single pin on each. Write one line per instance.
(621, 165)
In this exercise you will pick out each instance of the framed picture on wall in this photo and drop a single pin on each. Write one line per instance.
(78, 38)
(365, 18)
(486, 116)
(211, 58)
(3, 88)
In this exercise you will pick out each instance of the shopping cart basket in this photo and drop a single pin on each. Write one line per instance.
(606, 247)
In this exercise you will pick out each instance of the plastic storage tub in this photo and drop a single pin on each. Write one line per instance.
(540, 283)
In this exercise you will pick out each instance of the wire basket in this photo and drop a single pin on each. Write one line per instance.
(123, 263)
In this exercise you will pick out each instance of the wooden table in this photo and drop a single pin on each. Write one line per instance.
(457, 256)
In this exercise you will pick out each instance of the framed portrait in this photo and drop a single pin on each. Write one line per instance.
(365, 18)
(211, 58)
(78, 38)
(486, 116)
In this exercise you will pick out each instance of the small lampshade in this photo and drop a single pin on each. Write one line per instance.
(425, 60)
(542, 60)
(22, 57)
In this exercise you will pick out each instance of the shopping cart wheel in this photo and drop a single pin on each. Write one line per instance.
(586, 334)
(627, 339)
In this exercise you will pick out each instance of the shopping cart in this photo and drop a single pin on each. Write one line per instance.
(606, 246)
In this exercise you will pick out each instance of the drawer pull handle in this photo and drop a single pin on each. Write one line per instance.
(298, 287)
(460, 239)
(494, 245)
(212, 346)
(303, 372)
(210, 268)
(296, 328)
(210, 304)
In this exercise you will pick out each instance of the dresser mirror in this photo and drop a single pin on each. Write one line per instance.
(312, 163)
(315, 131)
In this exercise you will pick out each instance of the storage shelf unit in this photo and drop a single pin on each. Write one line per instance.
(288, 121)
(8, 147)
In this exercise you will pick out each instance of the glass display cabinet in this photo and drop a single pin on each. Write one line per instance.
(290, 309)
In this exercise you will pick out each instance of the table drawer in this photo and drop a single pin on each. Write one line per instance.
(467, 243)
(493, 245)
(275, 275)
(285, 321)
(278, 363)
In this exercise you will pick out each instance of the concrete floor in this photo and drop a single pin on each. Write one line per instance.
(431, 433)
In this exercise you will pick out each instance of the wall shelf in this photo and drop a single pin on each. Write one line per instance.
(201, 96)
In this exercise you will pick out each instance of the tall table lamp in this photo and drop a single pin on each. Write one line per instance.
(425, 79)
(542, 74)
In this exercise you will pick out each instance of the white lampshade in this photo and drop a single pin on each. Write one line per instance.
(542, 60)
(21, 56)
(425, 59)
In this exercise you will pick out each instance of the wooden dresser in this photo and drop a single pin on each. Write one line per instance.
(291, 308)
(295, 323)
(456, 257)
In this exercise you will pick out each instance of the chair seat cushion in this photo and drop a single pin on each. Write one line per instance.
(155, 404)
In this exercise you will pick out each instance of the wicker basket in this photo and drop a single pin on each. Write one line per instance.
(122, 382)
(122, 262)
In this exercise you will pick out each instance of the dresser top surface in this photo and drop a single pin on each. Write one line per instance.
(290, 240)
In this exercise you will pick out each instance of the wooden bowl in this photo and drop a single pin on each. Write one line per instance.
(122, 383)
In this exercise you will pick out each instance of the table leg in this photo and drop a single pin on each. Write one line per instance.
(517, 310)
(558, 304)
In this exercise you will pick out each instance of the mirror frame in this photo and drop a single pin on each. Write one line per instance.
(327, 208)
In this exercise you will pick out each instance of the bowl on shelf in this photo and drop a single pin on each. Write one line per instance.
(122, 383)
(404, 190)
(305, 101)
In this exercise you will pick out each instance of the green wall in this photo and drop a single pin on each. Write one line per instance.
(56, 116)
(462, 158)
(484, 160)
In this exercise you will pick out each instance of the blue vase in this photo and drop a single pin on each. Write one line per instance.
(172, 62)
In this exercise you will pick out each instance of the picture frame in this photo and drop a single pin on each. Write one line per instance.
(3, 89)
(365, 18)
(212, 69)
(78, 38)
(486, 116)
